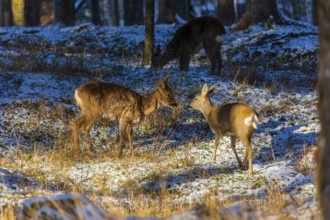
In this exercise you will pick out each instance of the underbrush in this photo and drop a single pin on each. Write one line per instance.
(48, 168)
(170, 171)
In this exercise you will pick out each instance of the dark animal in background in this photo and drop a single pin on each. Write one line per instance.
(206, 32)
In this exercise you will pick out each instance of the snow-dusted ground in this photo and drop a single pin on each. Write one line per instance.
(38, 107)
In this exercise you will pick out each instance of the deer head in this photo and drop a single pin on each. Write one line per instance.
(202, 99)
(162, 57)
(166, 95)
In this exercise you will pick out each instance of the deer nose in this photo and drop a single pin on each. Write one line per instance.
(174, 104)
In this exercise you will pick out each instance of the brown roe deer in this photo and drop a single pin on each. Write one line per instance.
(234, 120)
(203, 32)
(101, 99)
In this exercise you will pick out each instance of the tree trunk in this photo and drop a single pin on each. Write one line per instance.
(185, 9)
(8, 14)
(56, 9)
(114, 15)
(64, 11)
(166, 13)
(323, 172)
(240, 9)
(226, 12)
(95, 8)
(315, 15)
(149, 38)
(32, 12)
(2, 11)
(259, 11)
(133, 12)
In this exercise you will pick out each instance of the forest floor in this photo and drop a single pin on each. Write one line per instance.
(171, 171)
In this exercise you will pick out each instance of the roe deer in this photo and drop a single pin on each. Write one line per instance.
(101, 99)
(234, 120)
(206, 32)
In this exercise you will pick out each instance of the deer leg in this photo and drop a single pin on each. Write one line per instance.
(233, 147)
(211, 57)
(245, 157)
(246, 152)
(76, 128)
(129, 132)
(184, 61)
(122, 131)
(87, 128)
(213, 53)
(246, 141)
(218, 57)
(216, 144)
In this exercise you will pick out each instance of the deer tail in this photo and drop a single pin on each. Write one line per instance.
(252, 120)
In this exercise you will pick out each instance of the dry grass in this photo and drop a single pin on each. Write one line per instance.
(141, 202)
(161, 205)
(58, 157)
(303, 165)
(136, 200)
(247, 75)
(277, 197)
(7, 213)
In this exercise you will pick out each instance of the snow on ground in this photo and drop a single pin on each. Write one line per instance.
(38, 107)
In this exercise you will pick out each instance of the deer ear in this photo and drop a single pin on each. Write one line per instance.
(205, 89)
(211, 89)
(166, 79)
(161, 84)
(163, 51)
(158, 51)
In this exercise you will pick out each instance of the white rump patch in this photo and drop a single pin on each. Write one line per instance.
(220, 38)
(252, 120)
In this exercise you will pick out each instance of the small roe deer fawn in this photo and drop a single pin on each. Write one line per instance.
(234, 120)
(206, 32)
(100, 99)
